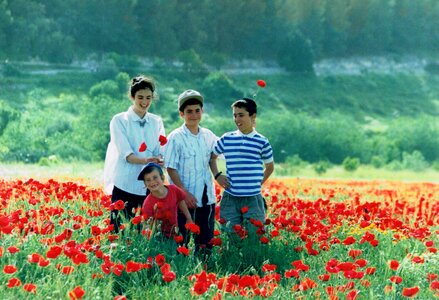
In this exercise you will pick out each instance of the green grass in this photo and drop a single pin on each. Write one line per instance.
(362, 173)
(92, 173)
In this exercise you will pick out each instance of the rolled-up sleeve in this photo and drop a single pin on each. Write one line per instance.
(119, 135)
(172, 155)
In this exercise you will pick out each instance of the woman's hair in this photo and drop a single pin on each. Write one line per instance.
(141, 83)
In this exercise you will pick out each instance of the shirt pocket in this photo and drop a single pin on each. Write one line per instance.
(189, 164)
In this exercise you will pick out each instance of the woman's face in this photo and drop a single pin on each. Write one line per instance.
(142, 101)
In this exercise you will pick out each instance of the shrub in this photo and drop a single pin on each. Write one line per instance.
(321, 167)
(377, 161)
(414, 161)
(351, 163)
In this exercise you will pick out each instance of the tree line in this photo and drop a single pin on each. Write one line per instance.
(29, 135)
(292, 33)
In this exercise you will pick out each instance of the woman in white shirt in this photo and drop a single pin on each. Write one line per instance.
(136, 137)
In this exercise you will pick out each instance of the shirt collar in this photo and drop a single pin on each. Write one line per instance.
(135, 117)
(250, 135)
(188, 132)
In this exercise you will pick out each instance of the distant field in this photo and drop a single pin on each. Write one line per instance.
(92, 173)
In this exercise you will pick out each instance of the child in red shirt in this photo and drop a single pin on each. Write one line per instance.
(162, 202)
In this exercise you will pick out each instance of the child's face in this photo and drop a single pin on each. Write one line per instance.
(192, 115)
(142, 101)
(243, 120)
(153, 181)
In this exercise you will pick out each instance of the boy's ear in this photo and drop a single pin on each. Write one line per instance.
(181, 113)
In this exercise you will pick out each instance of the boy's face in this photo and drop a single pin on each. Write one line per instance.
(243, 120)
(153, 181)
(192, 115)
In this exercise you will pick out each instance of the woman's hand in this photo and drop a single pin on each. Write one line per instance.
(155, 159)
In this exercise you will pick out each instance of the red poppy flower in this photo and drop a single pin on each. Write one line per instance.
(136, 220)
(34, 258)
(13, 249)
(9, 269)
(216, 241)
(178, 239)
(162, 140)
(349, 240)
(13, 282)
(183, 250)
(434, 285)
(410, 292)
(244, 209)
(142, 147)
(120, 297)
(67, 270)
(95, 230)
(192, 227)
(261, 83)
(352, 295)
(354, 253)
(30, 287)
(418, 260)
(269, 268)
(429, 243)
(292, 273)
(396, 279)
(325, 277)
(264, 240)
(169, 276)
(361, 262)
(394, 265)
(431, 276)
(54, 252)
(133, 266)
(76, 293)
(118, 205)
(43, 262)
(160, 259)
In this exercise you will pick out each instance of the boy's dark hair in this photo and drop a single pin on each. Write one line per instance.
(191, 101)
(248, 104)
(141, 83)
(150, 167)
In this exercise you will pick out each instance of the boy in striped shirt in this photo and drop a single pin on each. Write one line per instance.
(249, 163)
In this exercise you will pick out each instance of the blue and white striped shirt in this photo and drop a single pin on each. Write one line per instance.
(245, 156)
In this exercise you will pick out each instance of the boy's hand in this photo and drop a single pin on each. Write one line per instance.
(190, 200)
(223, 181)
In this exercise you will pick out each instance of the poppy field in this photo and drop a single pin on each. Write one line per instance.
(323, 239)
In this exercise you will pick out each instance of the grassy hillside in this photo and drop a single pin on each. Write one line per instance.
(379, 95)
(377, 118)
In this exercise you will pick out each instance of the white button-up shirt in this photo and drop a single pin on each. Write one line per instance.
(189, 154)
(127, 135)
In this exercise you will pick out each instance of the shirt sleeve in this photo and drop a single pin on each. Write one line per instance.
(147, 208)
(218, 148)
(119, 136)
(267, 153)
(171, 154)
(181, 195)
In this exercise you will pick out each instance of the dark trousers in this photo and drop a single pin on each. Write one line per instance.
(132, 203)
(204, 217)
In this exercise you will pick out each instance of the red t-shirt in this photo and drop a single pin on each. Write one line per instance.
(164, 209)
